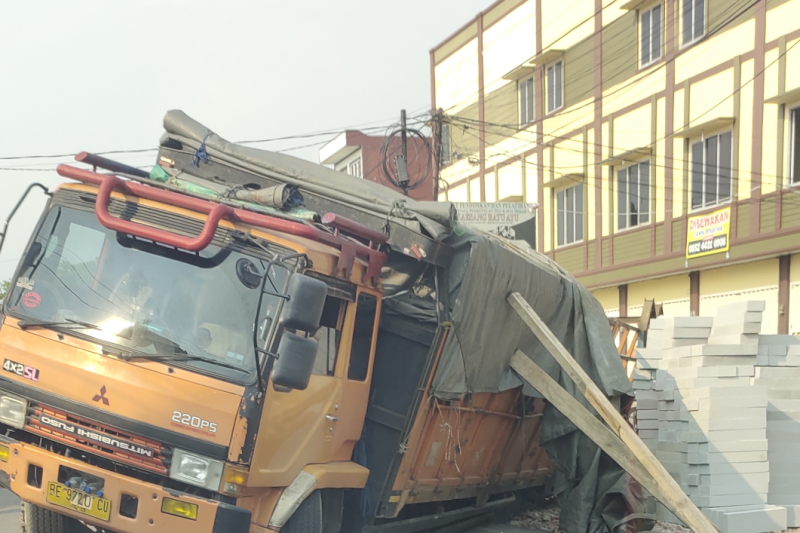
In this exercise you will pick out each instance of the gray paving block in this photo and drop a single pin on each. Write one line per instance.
(767, 372)
(735, 338)
(725, 349)
(647, 414)
(646, 404)
(721, 424)
(682, 322)
(735, 329)
(746, 519)
(725, 457)
(783, 394)
(646, 424)
(729, 468)
(793, 349)
(650, 434)
(641, 374)
(740, 307)
(670, 343)
(743, 402)
(642, 385)
(692, 383)
(728, 413)
(649, 353)
(724, 501)
(730, 490)
(711, 360)
(779, 340)
(679, 333)
(724, 392)
(793, 515)
(744, 481)
(737, 318)
(731, 446)
(727, 435)
(646, 395)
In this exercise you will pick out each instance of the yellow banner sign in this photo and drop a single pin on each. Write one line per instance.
(708, 234)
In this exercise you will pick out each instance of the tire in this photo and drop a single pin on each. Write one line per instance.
(34, 519)
(308, 517)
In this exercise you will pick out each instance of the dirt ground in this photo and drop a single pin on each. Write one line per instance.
(546, 519)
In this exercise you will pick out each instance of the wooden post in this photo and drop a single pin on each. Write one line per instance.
(671, 494)
(585, 421)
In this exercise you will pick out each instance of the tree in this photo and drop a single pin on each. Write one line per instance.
(4, 289)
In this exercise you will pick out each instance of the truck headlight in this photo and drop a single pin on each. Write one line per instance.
(196, 470)
(13, 411)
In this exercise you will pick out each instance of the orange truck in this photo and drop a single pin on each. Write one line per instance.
(178, 361)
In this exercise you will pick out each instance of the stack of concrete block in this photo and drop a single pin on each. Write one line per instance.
(712, 412)
(778, 350)
(668, 333)
(783, 432)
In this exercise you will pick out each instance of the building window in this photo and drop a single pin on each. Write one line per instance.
(354, 168)
(555, 86)
(526, 101)
(711, 170)
(650, 24)
(633, 195)
(794, 149)
(693, 20)
(569, 215)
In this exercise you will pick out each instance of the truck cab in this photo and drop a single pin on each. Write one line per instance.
(171, 363)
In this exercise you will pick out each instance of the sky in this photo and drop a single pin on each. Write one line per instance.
(99, 75)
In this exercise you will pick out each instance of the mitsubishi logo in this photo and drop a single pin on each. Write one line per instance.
(101, 396)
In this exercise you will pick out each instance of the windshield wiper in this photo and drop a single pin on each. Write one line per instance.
(128, 356)
(68, 323)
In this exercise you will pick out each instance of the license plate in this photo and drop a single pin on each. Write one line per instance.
(77, 500)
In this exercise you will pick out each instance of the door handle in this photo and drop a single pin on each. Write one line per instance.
(331, 418)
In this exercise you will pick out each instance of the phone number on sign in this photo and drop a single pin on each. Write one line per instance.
(708, 245)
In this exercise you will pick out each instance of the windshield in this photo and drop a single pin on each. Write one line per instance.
(138, 297)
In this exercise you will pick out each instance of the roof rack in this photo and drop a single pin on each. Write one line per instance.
(108, 183)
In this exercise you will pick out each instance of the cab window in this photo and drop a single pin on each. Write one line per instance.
(328, 336)
(362, 337)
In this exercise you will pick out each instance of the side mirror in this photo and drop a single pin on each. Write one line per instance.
(296, 356)
(303, 310)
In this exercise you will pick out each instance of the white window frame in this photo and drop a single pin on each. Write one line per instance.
(694, 38)
(704, 140)
(527, 101)
(793, 180)
(649, 203)
(355, 165)
(550, 107)
(654, 57)
(562, 214)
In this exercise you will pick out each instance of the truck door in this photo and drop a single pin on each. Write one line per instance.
(355, 372)
(323, 422)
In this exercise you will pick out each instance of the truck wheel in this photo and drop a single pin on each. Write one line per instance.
(34, 519)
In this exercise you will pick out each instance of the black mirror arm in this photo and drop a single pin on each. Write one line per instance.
(258, 350)
(16, 207)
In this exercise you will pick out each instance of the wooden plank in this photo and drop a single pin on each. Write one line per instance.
(673, 497)
(585, 421)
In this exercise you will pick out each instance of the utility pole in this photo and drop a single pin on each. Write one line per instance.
(437, 151)
(401, 161)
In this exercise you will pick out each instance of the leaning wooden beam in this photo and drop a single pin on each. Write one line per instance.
(585, 421)
(671, 494)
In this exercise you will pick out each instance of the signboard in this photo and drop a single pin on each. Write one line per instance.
(708, 234)
(493, 216)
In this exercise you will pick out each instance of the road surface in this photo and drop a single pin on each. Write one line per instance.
(9, 512)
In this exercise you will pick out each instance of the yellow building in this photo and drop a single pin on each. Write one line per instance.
(661, 139)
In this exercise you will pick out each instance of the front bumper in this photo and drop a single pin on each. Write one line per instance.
(212, 516)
